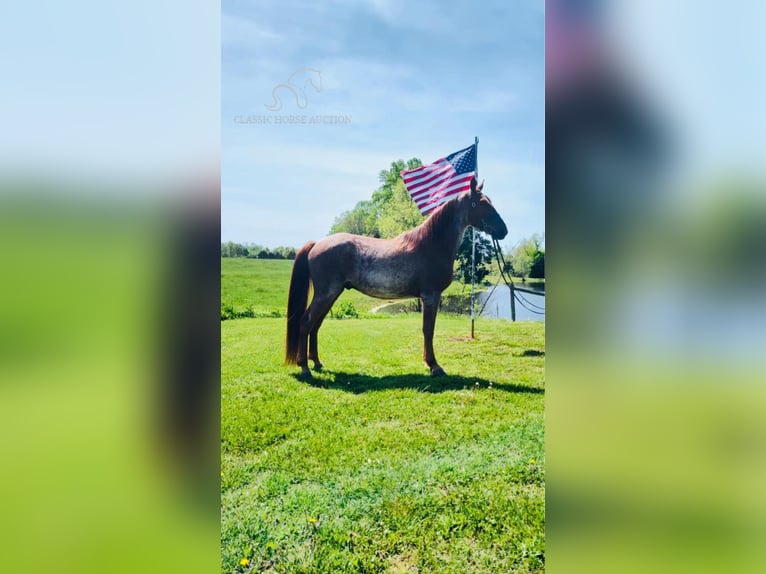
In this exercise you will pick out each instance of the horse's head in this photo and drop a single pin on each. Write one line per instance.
(482, 214)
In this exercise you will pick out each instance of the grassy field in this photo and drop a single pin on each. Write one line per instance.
(375, 466)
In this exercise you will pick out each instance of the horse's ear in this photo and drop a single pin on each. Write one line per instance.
(473, 185)
(481, 186)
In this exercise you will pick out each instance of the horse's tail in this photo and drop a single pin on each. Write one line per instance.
(296, 302)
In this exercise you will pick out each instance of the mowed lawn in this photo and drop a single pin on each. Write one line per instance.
(374, 466)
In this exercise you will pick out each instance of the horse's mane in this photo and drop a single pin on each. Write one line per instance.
(437, 225)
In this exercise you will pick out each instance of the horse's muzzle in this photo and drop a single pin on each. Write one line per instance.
(499, 232)
(494, 227)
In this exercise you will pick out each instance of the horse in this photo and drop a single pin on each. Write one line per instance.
(418, 263)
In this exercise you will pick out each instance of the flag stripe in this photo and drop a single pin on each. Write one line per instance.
(460, 183)
(426, 174)
(453, 183)
(433, 179)
(453, 190)
(429, 208)
(418, 171)
(434, 184)
(440, 161)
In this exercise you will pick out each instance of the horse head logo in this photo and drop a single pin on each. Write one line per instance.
(297, 84)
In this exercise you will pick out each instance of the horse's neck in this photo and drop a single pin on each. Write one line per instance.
(451, 230)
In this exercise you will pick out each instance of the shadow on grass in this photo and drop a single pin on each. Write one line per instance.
(530, 353)
(357, 384)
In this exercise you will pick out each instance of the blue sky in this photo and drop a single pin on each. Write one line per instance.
(417, 79)
(101, 90)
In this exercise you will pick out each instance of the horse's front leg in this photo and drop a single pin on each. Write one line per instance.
(430, 308)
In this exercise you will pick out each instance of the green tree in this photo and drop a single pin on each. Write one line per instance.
(285, 252)
(253, 250)
(390, 209)
(231, 249)
(484, 257)
(388, 180)
(537, 270)
(528, 254)
(361, 221)
(399, 213)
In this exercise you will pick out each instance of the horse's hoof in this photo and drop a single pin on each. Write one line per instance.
(305, 374)
(318, 367)
(438, 372)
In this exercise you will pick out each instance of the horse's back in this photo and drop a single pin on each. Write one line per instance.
(377, 267)
(336, 246)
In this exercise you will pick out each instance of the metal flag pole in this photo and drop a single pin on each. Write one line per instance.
(473, 246)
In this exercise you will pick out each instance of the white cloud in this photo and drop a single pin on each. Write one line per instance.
(241, 31)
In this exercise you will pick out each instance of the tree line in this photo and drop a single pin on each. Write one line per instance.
(253, 251)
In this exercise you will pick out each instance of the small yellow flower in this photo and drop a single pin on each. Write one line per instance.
(532, 460)
(313, 520)
(244, 562)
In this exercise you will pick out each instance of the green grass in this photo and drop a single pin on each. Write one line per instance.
(375, 466)
(257, 283)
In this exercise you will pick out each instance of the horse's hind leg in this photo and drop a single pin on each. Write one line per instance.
(310, 323)
(313, 341)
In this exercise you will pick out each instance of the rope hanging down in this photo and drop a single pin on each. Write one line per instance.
(502, 265)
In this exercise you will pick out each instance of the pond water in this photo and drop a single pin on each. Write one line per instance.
(499, 304)
(497, 307)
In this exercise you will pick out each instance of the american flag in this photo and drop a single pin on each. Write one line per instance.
(433, 184)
